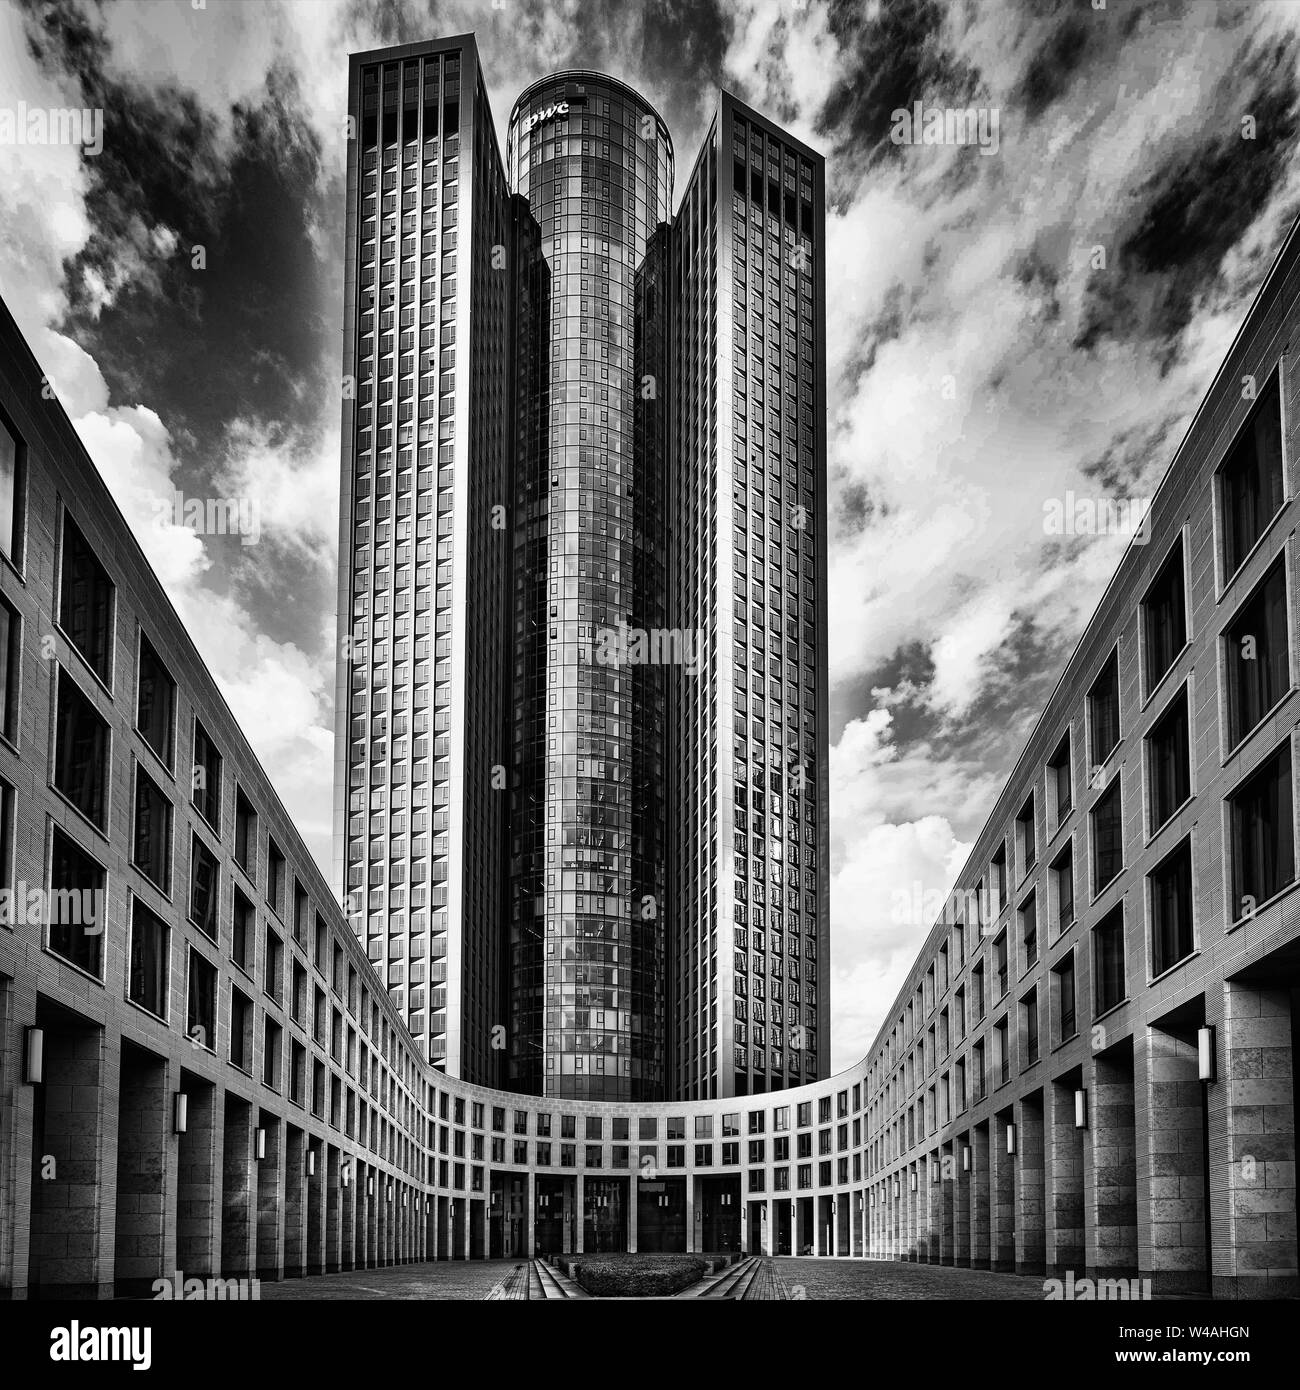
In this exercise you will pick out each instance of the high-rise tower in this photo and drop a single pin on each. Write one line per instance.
(582, 730)
(590, 922)
(423, 601)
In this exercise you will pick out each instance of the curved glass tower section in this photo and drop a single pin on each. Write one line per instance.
(588, 920)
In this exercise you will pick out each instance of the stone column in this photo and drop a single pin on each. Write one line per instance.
(1170, 1164)
(1002, 1198)
(1110, 1170)
(1031, 1242)
(961, 1191)
(981, 1176)
(1258, 1257)
(1064, 1166)
(198, 1194)
(270, 1202)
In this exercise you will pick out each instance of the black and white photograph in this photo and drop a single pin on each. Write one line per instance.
(649, 651)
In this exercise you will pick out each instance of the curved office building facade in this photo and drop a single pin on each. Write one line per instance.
(589, 919)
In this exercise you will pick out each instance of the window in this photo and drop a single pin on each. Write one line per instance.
(243, 925)
(155, 702)
(1058, 779)
(203, 888)
(273, 965)
(272, 1045)
(86, 602)
(10, 663)
(1250, 481)
(1107, 839)
(241, 1033)
(1029, 1018)
(275, 881)
(1025, 836)
(1103, 712)
(1169, 762)
(1063, 998)
(1029, 929)
(206, 776)
(201, 1002)
(1063, 887)
(76, 910)
(245, 834)
(147, 977)
(998, 879)
(151, 851)
(80, 752)
(1000, 962)
(1263, 835)
(1108, 960)
(1171, 909)
(12, 468)
(1002, 1050)
(1164, 618)
(1256, 656)
(704, 1126)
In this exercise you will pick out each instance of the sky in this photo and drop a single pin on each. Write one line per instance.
(1008, 327)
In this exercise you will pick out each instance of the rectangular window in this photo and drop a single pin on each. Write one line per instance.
(1000, 963)
(203, 888)
(243, 925)
(10, 663)
(86, 602)
(245, 834)
(12, 468)
(1103, 712)
(1169, 762)
(273, 965)
(1107, 838)
(207, 777)
(275, 883)
(272, 1045)
(1029, 929)
(241, 1029)
(1108, 960)
(1059, 779)
(147, 976)
(1063, 887)
(1263, 835)
(1025, 837)
(155, 702)
(1002, 1050)
(1029, 1017)
(151, 851)
(1256, 656)
(998, 879)
(1164, 618)
(1063, 998)
(201, 1002)
(76, 911)
(1250, 481)
(80, 752)
(1171, 909)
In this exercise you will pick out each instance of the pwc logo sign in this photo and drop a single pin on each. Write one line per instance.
(559, 108)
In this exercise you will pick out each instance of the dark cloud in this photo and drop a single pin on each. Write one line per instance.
(893, 57)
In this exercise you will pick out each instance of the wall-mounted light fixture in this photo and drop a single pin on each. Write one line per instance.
(911, 1181)
(259, 1141)
(1011, 1137)
(390, 1191)
(898, 1188)
(345, 1173)
(934, 1172)
(1205, 1053)
(1081, 1109)
(180, 1112)
(311, 1163)
(965, 1158)
(370, 1186)
(33, 1056)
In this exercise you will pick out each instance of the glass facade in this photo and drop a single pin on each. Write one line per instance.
(590, 921)
(581, 726)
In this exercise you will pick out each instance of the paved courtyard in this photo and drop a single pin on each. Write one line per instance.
(780, 1278)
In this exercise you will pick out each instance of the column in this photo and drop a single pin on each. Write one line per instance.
(980, 1190)
(530, 1217)
(1063, 1216)
(632, 1186)
(1258, 1258)
(1031, 1239)
(962, 1156)
(1110, 1169)
(692, 1242)
(1002, 1198)
(580, 1215)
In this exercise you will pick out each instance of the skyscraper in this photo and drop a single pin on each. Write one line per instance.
(618, 837)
